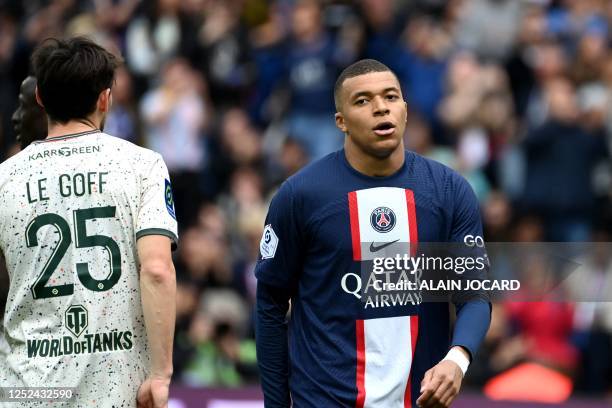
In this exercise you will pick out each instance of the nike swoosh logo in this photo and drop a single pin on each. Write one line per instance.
(378, 248)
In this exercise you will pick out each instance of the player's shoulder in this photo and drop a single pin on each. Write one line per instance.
(124, 148)
(307, 183)
(421, 165)
(441, 180)
(314, 174)
(13, 163)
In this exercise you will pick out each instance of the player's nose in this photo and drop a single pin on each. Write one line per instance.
(380, 106)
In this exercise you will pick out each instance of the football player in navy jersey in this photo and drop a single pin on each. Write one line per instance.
(341, 348)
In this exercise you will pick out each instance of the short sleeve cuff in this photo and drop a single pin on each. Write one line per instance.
(159, 231)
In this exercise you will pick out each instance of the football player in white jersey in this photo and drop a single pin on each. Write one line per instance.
(87, 223)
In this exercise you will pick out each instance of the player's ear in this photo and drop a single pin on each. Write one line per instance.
(104, 100)
(340, 122)
(37, 96)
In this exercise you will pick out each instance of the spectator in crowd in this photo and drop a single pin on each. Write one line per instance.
(590, 285)
(382, 20)
(153, 37)
(204, 258)
(560, 160)
(520, 63)
(221, 357)
(489, 27)
(313, 61)
(549, 61)
(576, 18)
(421, 64)
(174, 116)
(221, 53)
(237, 143)
(123, 120)
(550, 343)
(589, 58)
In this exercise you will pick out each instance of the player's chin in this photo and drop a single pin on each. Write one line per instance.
(384, 148)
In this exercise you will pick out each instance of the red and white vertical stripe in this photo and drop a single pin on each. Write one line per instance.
(361, 205)
(385, 346)
(385, 351)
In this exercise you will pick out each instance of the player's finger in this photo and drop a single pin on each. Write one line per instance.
(428, 391)
(147, 403)
(162, 403)
(440, 392)
(142, 403)
(427, 378)
(422, 398)
(450, 395)
(143, 398)
(431, 393)
(425, 391)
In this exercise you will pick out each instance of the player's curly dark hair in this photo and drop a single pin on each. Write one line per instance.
(71, 74)
(361, 67)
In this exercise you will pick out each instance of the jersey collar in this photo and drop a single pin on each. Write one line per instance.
(65, 137)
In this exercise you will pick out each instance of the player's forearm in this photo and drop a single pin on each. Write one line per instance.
(158, 293)
(272, 349)
(473, 319)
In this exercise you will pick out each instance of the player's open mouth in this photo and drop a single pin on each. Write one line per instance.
(384, 129)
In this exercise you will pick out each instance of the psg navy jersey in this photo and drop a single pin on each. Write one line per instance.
(322, 224)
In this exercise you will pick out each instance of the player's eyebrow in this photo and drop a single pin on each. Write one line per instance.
(368, 93)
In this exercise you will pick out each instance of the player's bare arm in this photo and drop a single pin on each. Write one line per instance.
(158, 292)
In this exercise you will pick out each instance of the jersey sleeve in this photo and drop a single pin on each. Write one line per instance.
(466, 219)
(466, 236)
(473, 307)
(156, 214)
(280, 248)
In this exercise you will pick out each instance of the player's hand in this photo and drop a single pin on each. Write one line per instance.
(440, 385)
(153, 393)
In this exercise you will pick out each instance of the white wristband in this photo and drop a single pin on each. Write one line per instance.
(459, 358)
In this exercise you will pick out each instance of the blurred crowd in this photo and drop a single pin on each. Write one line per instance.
(237, 95)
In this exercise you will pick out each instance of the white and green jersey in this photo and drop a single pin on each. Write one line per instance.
(71, 210)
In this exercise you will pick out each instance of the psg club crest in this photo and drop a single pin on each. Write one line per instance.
(382, 219)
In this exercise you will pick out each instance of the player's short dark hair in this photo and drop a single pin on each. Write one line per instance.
(361, 67)
(71, 74)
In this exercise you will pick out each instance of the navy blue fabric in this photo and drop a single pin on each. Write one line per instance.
(473, 319)
(310, 216)
(272, 353)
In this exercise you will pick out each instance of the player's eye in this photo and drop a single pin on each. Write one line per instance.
(392, 97)
(361, 101)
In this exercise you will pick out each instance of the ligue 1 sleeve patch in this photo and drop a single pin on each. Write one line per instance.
(169, 199)
(269, 243)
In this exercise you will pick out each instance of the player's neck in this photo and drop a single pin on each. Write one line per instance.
(71, 127)
(374, 166)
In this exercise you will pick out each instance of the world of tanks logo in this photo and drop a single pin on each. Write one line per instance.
(76, 320)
